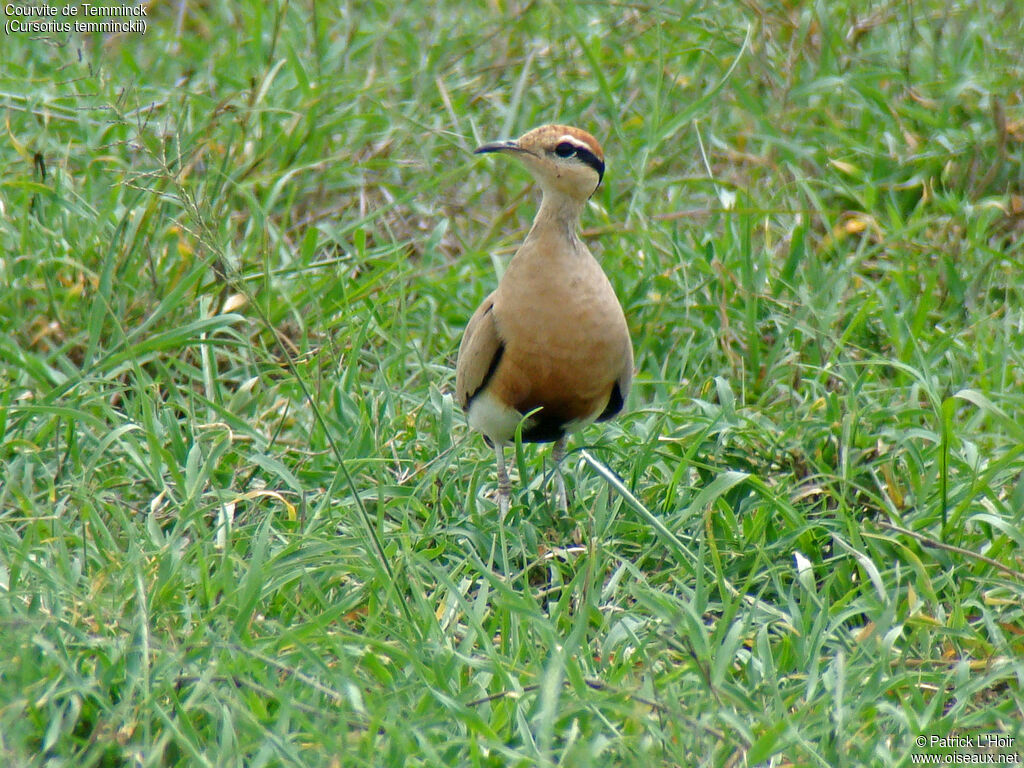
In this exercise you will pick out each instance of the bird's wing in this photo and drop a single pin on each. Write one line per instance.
(622, 385)
(479, 353)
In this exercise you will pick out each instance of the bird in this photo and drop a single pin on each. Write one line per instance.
(549, 348)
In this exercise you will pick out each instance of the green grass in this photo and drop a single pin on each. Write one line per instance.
(242, 522)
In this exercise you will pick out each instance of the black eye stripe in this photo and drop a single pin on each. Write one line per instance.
(567, 149)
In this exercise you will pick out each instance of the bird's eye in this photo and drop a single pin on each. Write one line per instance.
(565, 149)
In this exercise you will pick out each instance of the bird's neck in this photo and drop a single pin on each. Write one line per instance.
(559, 215)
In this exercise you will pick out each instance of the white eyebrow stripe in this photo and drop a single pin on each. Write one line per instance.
(574, 141)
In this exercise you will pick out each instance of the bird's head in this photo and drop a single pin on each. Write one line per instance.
(562, 159)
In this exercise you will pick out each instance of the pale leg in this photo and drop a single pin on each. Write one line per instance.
(504, 487)
(557, 454)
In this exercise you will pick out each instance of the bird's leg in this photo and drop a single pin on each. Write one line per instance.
(557, 454)
(504, 487)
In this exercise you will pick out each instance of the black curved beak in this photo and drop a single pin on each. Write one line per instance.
(508, 145)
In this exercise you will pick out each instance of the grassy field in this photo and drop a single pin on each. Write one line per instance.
(243, 523)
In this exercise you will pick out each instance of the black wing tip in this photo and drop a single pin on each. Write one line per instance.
(615, 403)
